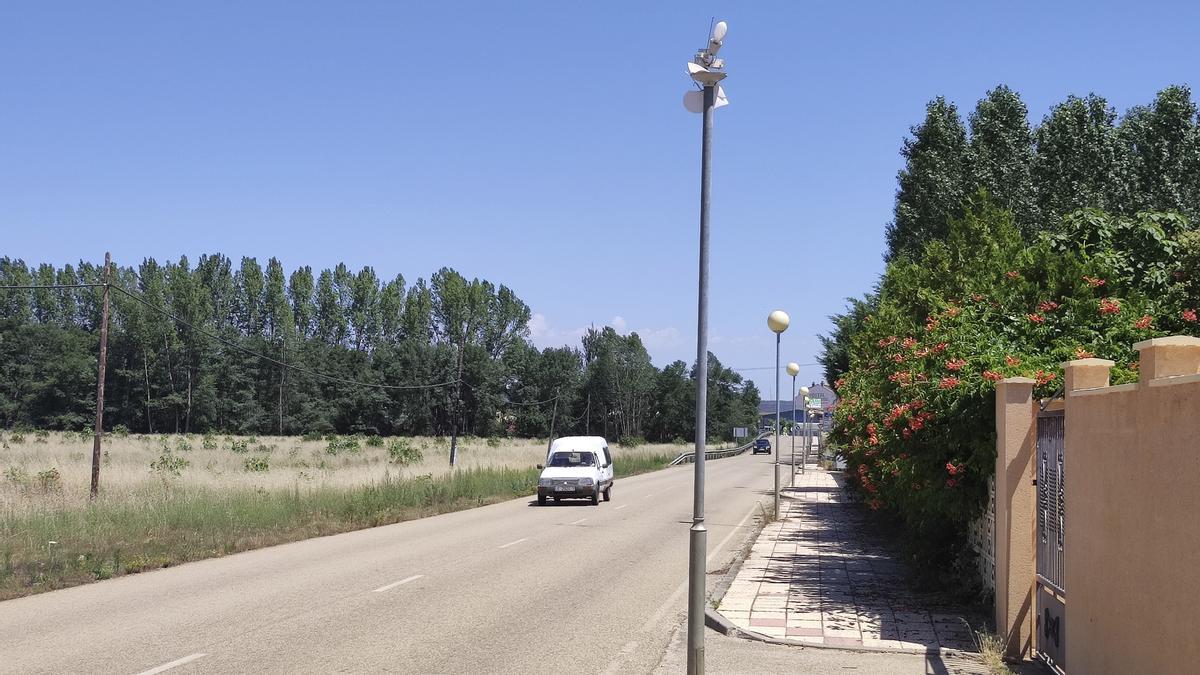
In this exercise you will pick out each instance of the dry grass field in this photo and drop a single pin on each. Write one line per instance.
(135, 465)
(167, 499)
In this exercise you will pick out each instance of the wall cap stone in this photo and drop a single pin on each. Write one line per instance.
(1018, 380)
(1105, 390)
(1089, 363)
(1175, 379)
(1172, 341)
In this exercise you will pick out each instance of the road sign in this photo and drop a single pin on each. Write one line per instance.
(740, 432)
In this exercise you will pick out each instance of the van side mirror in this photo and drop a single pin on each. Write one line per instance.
(539, 466)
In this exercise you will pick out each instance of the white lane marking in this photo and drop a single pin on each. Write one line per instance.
(578, 521)
(662, 610)
(397, 583)
(177, 662)
(514, 543)
(648, 496)
(620, 507)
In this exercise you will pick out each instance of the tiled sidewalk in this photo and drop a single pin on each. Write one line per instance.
(815, 577)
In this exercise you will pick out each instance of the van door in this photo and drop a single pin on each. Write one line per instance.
(607, 471)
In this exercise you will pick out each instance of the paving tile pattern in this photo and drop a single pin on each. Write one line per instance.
(817, 577)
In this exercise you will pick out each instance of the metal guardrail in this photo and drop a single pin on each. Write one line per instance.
(689, 457)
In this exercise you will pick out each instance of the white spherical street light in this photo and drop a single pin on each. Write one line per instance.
(778, 321)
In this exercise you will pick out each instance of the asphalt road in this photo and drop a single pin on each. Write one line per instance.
(507, 588)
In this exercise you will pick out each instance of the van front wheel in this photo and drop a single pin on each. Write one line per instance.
(596, 496)
(608, 493)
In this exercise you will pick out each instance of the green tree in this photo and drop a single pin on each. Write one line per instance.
(1002, 155)
(835, 347)
(1164, 148)
(1080, 162)
(934, 181)
(249, 299)
(300, 295)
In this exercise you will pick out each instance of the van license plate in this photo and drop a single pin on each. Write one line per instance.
(564, 488)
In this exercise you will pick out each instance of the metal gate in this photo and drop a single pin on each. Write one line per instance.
(1051, 531)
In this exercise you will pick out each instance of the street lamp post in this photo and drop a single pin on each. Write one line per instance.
(793, 369)
(706, 70)
(804, 443)
(777, 322)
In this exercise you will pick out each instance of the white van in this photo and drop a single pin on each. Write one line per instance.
(577, 467)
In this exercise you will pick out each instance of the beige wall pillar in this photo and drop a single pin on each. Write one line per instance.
(1016, 497)
(1086, 374)
(1174, 356)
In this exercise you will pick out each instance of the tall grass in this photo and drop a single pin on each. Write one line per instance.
(51, 537)
(634, 464)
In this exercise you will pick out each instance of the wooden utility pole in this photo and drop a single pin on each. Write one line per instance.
(457, 406)
(100, 377)
(553, 416)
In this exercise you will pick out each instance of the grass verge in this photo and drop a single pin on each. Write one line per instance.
(169, 524)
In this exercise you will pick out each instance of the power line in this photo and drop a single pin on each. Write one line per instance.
(534, 403)
(771, 367)
(301, 369)
(552, 399)
(31, 287)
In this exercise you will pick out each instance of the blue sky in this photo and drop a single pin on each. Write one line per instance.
(542, 145)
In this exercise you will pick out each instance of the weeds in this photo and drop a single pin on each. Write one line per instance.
(337, 445)
(991, 650)
(17, 476)
(256, 464)
(49, 480)
(168, 465)
(401, 452)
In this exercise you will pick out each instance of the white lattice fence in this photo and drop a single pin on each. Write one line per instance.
(983, 540)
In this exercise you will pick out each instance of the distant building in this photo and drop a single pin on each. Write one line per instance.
(794, 410)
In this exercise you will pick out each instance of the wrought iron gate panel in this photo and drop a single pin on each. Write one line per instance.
(1051, 534)
(1051, 518)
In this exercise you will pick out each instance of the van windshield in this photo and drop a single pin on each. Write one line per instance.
(572, 459)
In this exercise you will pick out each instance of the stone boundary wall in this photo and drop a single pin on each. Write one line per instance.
(1132, 515)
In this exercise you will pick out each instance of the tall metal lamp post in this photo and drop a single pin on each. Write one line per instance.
(793, 369)
(777, 321)
(706, 70)
(804, 443)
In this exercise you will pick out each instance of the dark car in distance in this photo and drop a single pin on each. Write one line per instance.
(762, 445)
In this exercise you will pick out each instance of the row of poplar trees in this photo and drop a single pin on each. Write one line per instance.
(1082, 155)
(236, 348)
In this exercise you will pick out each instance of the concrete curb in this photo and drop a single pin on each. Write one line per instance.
(719, 623)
